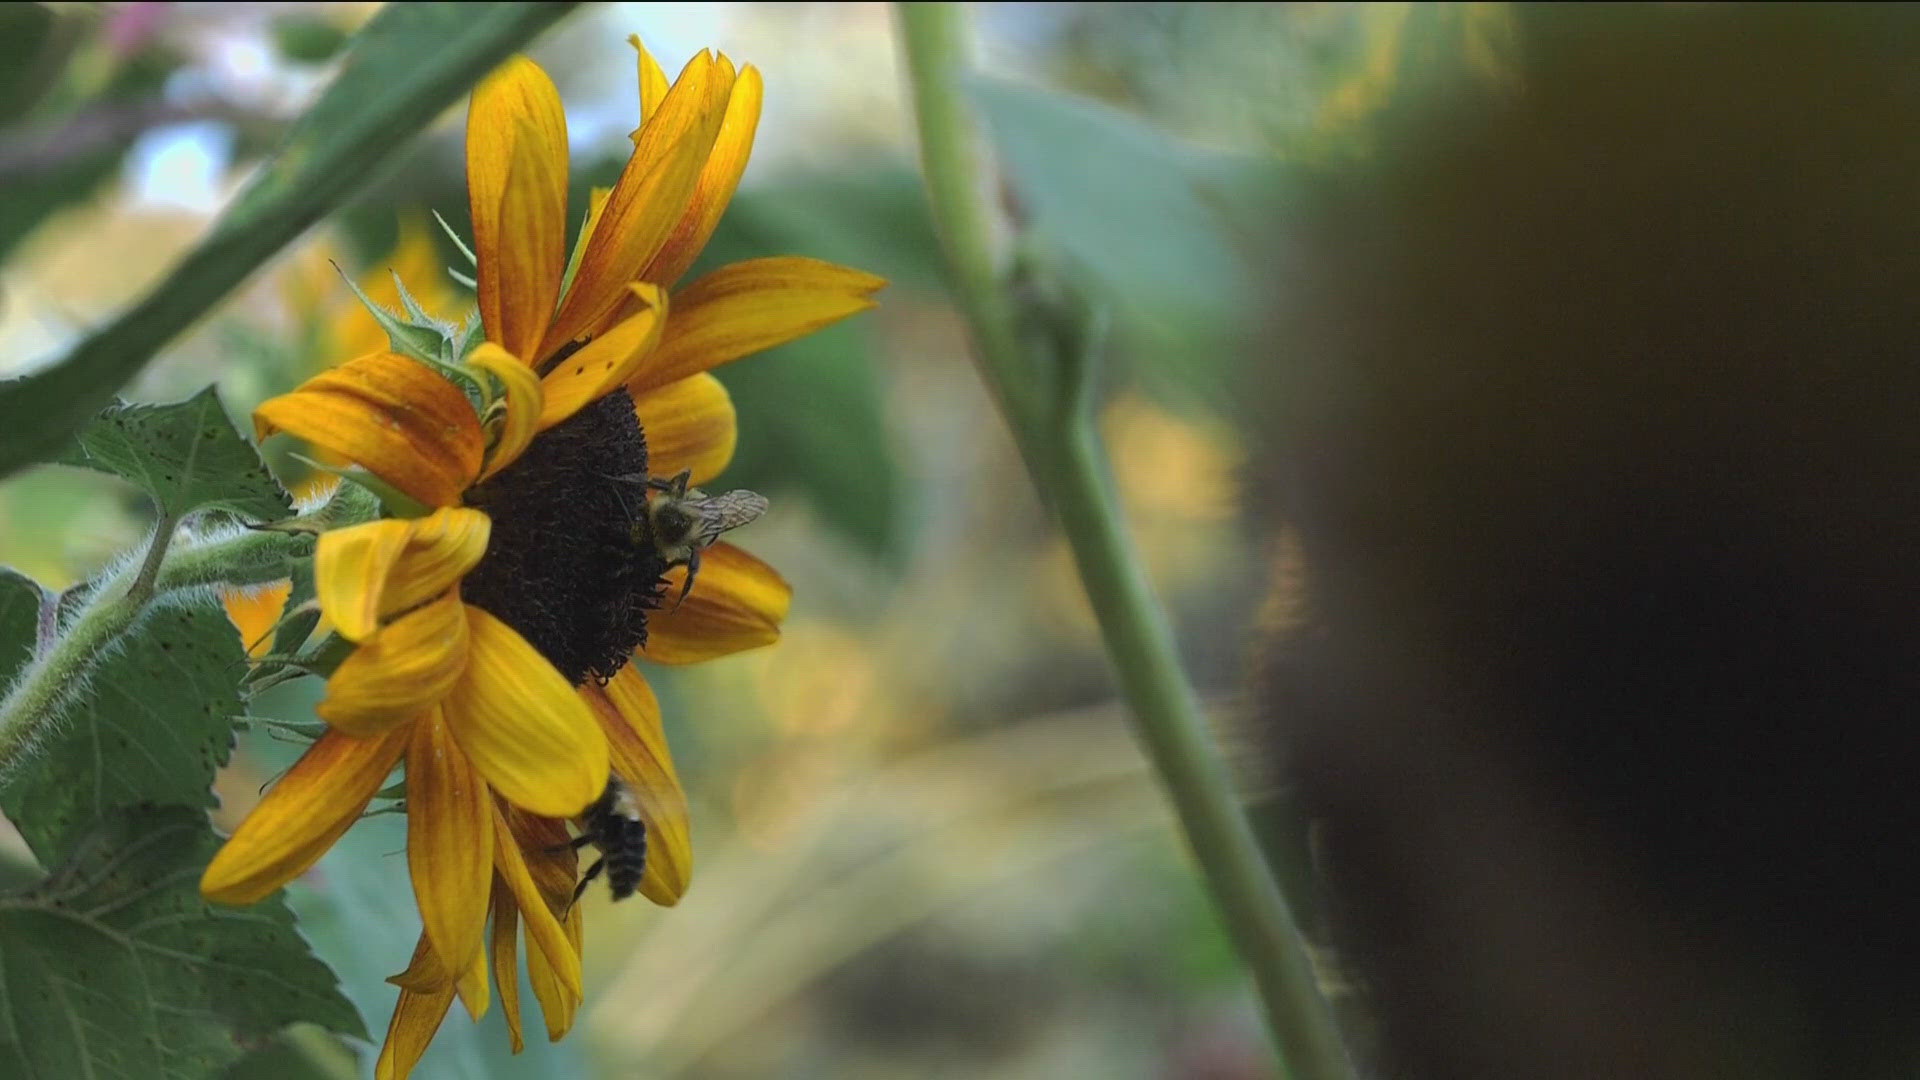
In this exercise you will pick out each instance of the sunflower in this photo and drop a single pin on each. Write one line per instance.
(494, 616)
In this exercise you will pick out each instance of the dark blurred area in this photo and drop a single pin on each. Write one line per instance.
(1596, 418)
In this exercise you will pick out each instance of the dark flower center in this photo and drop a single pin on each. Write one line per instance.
(571, 564)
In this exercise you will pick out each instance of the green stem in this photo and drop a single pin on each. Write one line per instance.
(1045, 397)
(37, 701)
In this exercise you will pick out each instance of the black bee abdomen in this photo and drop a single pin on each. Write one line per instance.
(614, 826)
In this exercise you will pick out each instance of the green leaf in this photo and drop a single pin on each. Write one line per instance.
(1143, 222)
(115, 967)
(153, 727)
(408, 64)
(186, 455)
(812, 422)
(19, 620)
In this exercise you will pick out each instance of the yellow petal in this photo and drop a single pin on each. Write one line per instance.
(517, 191)
(522, 725)
(653, 81)
(689, 424)
(351, 567)
(255, 612)
(472, 984)
(737, 602)
(391, 414)
(646, 201)
(449, 844)
(318, 799)
(559, 1002)
(416, 1018)
(409, 666)
(440, 549)
(524, 401)
(545, 935)
(506, 963)
(715, 187)
(745, 307)
(551, 859)
(630, 715)
(605, 362)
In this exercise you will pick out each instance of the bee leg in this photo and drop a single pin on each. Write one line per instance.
(574, 844)
(693, 567)
(586, 880)
(676, 487)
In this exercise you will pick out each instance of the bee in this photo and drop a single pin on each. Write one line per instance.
(684, 521)
(613, 825)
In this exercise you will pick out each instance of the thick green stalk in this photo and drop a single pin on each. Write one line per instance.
(34, 705)
(1044, 392)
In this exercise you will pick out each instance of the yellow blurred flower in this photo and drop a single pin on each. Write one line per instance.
(493, 633)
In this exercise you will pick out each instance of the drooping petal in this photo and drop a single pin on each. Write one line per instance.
(545, 935)
(715, 187)
(517, 191)
(653, 82)
(410, 665)
(745, 307)
(689, 424)
(416, 1018)
(449, 844)
(559, 1003)
(630, 715)
(472, 984)
(737, 603)
(318, 799)
(607, 361)
(646, 202)
(351, 567)
(441, 548)
(522, 725)
(391, 414)
(551, 859)
(255, 612)
(524, 402)
(506, 961)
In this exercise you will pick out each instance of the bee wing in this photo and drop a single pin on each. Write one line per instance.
(720, 513)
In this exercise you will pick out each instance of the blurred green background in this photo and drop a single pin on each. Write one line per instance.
(925, 843)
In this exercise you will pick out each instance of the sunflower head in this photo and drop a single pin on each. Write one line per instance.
(531, 461)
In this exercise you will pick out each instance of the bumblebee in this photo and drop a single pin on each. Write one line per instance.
(681, 522)
(613, 825)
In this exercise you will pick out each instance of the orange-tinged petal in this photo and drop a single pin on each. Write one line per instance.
(715, 187)
(646, 202)
(596, 205)
(416, 1018)
(522, 725)
(351, 567)
(391, 414)
(690, 424)
(545, 935)
(607, 361)
(737, 602)
(449, 844)
(517, 191)
(551, 859)
(441, 548)
(653, 82)
(255, 612)
(410, 665)
(472, 984)
(524, 400)
(630, 715)
(318, 799)
(506, 961)
(745, 307)
(559, 1001)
